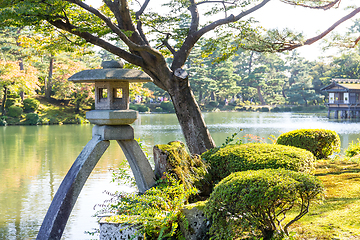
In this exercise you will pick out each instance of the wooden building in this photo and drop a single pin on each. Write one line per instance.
(344, 98)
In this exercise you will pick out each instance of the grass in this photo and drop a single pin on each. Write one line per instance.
(338, 216)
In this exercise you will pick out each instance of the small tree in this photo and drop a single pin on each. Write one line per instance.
(255, 203)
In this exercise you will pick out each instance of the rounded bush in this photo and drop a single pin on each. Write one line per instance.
(15, 111)
(31, 105)
(32, 119)
(10, 102)
(322, 143)
(353, 149)
(213, 104)
(255, 202)
(167, 106)
(254, 156)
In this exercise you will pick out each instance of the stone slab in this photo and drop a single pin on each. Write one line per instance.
(123, 132)
(112, 117)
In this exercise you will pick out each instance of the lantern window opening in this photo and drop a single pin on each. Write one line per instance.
(103, 93)
(118, 93)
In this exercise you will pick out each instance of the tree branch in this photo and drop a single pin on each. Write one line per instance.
(134, 59)
(324, 7)
(323, 34)
(223, 2)
(133, 46)
(139, 23)
(114, 7)
(193, 37)
(194, 17)
(230, 19)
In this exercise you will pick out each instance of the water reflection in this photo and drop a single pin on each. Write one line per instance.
(35, 159)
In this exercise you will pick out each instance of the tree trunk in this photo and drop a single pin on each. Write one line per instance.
(3, 101)
(48, 81)
(260, 95)
(196, 134)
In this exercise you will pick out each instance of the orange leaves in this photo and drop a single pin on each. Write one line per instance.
(16, 79)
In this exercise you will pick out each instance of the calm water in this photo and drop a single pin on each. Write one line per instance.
(35, 159)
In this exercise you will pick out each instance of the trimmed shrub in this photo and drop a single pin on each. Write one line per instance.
(322, 143)
(353, 149)
(31, 105)
(143, 108)
(213, 104)
(264, 109)
(167, 106)
(254, 156)
(133, 107)
(255, 203)
(15, 111)
(32, 119)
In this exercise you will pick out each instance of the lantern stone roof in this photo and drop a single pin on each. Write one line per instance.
(110, 74)
(111, 71)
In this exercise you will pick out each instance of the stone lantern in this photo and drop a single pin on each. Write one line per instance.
(112, 118)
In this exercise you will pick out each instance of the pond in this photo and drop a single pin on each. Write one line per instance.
(35, 159)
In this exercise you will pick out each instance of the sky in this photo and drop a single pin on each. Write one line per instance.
(279, 15)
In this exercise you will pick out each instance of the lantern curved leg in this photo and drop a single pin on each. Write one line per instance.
(70, 188)
(139, 164)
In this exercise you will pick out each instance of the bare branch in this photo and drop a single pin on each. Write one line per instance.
(223, 2)
(194, 17)
(139, 23)
(327, 31)
(324, 7)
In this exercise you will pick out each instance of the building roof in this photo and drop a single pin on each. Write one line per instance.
(353, 86)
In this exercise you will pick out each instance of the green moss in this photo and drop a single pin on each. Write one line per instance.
(189, 170)
(254, 156)
(322, 143)
(199, 205)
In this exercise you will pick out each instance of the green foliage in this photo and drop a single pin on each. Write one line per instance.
(76, 119)
(32, 119)
(254, 156)
(264, 109)
(31, 105)
(255, 203)
(353, 149)
(3, 121)
(15, 111)
(322, 143)
(10, 102)
(167, 106)
(156, 212)
(143, 108)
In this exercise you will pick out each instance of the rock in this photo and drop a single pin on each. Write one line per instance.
(198, 224)
(117, 231)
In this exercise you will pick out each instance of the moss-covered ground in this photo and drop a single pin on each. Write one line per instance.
(338, 215)
(53, 111)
